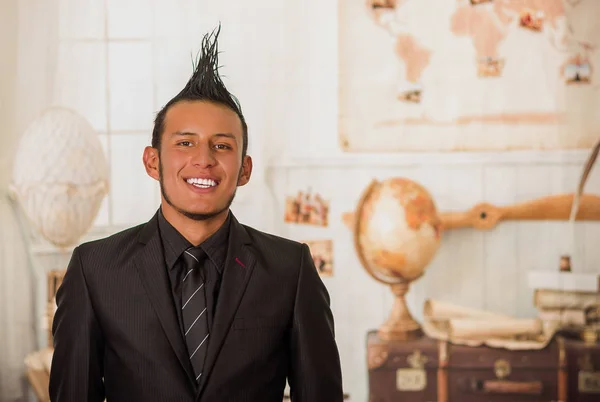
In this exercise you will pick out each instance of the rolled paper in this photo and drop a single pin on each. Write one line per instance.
(493, 328)
(473, 327)
(442, 310)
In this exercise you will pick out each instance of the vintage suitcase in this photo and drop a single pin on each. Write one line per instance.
(402, 371)
(583, 362)
(427, 370)
(497, 374)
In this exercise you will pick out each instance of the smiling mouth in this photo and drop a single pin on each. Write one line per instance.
(202, 183)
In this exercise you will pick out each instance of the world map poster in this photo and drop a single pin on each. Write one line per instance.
(468, 75)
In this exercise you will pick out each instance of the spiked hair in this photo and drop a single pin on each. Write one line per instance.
(204, 85)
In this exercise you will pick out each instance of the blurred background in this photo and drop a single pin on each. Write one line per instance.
(315, 80)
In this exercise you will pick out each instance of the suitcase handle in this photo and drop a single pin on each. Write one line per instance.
(507, 387)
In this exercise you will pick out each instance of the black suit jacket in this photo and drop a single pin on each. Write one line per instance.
(116, 333)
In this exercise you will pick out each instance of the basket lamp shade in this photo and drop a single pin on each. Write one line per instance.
(60, 175)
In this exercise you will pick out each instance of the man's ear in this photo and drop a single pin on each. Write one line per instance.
(246, 171)
(151, 162)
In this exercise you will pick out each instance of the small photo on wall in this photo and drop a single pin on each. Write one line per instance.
(307, 208)
(382, 4)
(577, 70)
(322, 254)
(532, 19)
(490, 67)
(410, 92)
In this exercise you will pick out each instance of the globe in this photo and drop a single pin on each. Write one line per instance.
(397, 232)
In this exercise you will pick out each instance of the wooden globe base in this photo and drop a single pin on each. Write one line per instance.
(400, 326)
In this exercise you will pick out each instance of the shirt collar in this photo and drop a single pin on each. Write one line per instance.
(174, 243)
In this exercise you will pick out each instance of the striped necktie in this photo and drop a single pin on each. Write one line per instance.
(194, 308)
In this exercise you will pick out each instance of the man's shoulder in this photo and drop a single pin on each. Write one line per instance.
(117, 241)
(268, 241)
(270, 238)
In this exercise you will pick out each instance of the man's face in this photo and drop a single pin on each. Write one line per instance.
(199, 165)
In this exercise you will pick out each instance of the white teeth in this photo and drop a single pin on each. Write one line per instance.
(202, 183)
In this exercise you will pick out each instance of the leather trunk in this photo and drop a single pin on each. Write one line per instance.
(583, 362)
(402, 371)
(496, 374)
(427, 370)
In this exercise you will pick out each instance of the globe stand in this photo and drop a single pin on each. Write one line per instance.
(400, 325)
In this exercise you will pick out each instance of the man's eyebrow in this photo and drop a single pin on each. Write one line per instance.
(226, 135)
(183, 133)
(188, 133)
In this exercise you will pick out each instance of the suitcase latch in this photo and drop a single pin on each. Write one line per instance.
(501, 369)
(417, 360)
(415, 377)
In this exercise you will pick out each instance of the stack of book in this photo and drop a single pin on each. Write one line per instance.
(566, 300)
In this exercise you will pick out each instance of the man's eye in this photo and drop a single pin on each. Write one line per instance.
(185, 143)
(222, 146)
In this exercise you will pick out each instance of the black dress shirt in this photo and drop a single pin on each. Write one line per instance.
(215, 247)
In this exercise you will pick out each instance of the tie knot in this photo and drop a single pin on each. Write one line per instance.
(194, 256)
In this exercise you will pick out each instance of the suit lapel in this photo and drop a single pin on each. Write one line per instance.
(151, 268)
(238, 269)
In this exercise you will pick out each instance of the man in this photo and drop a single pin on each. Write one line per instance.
(193, 305)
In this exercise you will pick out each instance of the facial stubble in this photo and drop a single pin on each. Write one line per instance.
(194, 215)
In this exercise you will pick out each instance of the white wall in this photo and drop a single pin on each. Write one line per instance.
(120, 60)
(8, 67)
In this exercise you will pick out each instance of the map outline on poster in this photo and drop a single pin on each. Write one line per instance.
(476, 75)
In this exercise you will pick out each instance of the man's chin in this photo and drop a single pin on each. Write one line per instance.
(201, 216)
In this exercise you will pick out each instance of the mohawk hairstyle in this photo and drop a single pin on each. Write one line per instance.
(204, 85)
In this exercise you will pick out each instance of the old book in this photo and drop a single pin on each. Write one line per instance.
(563, 316)
(545, 299)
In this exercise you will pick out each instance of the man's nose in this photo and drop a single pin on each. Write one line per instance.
(203, 156)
